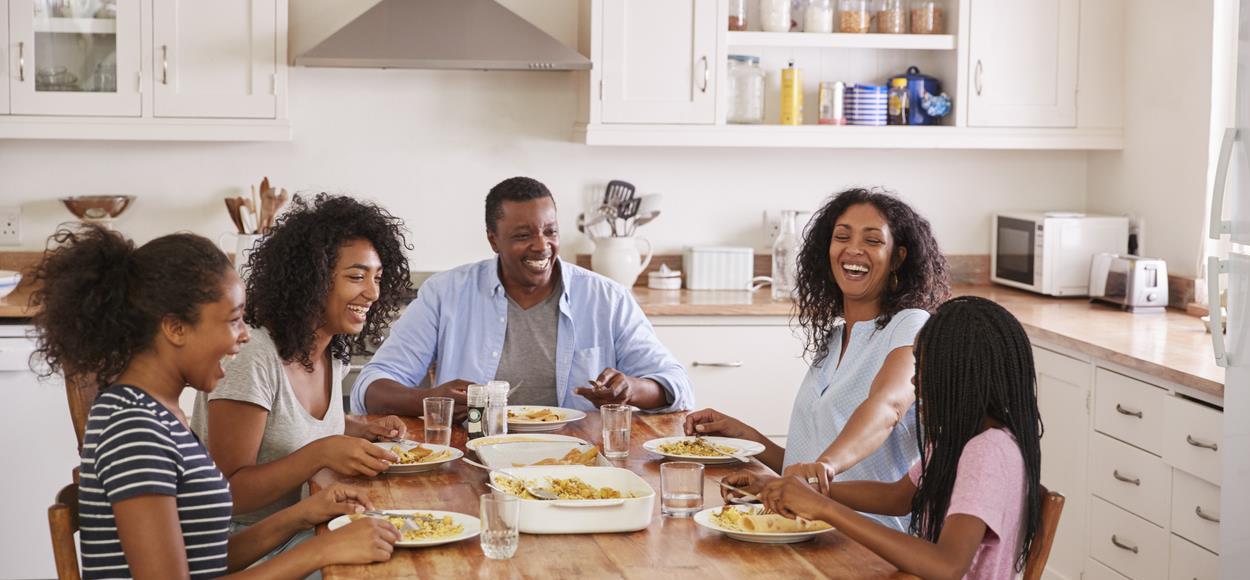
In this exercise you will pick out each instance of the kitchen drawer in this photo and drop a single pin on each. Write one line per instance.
(1194, 504)
(1190, 562)
(1095, 570)
(1131, 478)
(1128, 544)
(1192, 438)
(1129, 410)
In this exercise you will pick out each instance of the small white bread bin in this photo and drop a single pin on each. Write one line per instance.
(718, 267)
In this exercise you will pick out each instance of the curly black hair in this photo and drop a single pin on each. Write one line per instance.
(923, 281)
(101, 300)
(512, 189)
(290, 273)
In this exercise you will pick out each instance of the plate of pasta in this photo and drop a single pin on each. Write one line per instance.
(704, 449)
(530, 418)
(415, 456)
(749, 523)
(420, 528)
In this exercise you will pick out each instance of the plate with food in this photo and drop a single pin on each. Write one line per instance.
(477, 444)
(530, 418)
(541, 453)
(749, 523)
(420, 528)
(704, 449)
(415, 456)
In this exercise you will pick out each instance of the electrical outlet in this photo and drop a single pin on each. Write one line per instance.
(10, 226)
(772, 225)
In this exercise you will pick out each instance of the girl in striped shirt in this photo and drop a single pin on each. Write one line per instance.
(148, 322)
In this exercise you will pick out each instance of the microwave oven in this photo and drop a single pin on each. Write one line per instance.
(1049, 253)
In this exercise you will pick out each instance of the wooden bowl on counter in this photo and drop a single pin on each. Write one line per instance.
(97, 207)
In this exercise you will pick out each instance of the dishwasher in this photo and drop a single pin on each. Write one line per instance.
(40, 453)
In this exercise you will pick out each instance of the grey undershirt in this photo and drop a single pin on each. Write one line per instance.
(529, 351)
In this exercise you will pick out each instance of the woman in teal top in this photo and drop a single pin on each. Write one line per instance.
(869, 273)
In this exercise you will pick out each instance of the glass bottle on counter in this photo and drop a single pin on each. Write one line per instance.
(746, 89)
(785, 257)
(927, 17)
(891, 17)
(854, 16)
(476, 395)
(497, 408)
(897, 107)
(737, 14)
(775, 15)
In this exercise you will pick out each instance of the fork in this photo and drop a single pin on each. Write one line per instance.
(408, 519)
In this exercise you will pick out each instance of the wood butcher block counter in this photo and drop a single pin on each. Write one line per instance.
(670, 548)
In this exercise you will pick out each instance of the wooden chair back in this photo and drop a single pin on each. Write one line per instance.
(1039, 552)
(80, 391)
(63, 523)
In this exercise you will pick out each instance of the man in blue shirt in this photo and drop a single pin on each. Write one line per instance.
(548, 327)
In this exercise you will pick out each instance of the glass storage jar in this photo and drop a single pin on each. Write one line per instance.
(775, 15)
(818, 16)
(737, 14)
(891, 17)
(854, 16)
(746, 89)
(927, 17)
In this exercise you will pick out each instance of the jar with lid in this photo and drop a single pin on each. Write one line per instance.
(497, 408)
(818, 16)
(476, 395)
(746, 89)
(891, 17)
(927, 17)
(737, 14)
(854, 16)
(775, 15)
(897, 102)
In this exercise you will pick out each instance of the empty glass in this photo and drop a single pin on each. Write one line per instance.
(501, 516)
(616, 421)
(681, 488)
(438, 411)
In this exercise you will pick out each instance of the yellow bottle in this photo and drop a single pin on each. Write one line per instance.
(791, 96)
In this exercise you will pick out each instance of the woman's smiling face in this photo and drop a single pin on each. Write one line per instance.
(862, 253)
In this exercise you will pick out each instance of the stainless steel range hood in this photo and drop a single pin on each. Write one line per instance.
(442, 34)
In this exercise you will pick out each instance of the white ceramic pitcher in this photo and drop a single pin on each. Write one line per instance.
(619, 258)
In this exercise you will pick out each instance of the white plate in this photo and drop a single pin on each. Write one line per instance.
(746, 448)
(518, 425)
(704, 518)
(474, 444)
(507, 456)
(472, 527)
(418, 467)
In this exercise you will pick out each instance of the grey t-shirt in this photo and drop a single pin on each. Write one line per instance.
(256, 376)
(529, 351)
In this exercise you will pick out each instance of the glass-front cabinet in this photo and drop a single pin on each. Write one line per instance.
(74, 57)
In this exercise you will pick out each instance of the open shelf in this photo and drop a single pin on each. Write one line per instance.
(76, 25)
(839, 40)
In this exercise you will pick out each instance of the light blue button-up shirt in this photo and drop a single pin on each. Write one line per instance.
(460, 318)
(834, 389)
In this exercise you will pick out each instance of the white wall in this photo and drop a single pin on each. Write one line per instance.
(429, 144)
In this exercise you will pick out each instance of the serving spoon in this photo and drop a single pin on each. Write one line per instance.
(538, 492)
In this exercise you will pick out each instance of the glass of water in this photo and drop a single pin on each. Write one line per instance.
(501, 516)
(616, 421)
(681, 488)
(438, 412)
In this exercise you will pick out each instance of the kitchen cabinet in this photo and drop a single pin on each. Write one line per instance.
(659, 61)
(1023, 57)
(1063, 394)
(4, 60)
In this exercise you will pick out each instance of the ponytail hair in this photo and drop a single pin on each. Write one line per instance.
(101, 300)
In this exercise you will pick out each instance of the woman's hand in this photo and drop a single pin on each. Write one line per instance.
(390, 428)
(334, 500)
(792, 497)
(363, 541)
(713, 422)
(817, 474)
(749, 482)
(353, 456)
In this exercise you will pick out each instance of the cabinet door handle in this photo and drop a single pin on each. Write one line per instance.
(1122, 546)
(977, 77)
(724, 365)
(1133, 480)
(164, 64)
(1121, 410)
(1206, 516)
(1203, 444)
(707, 72)
(21, 62)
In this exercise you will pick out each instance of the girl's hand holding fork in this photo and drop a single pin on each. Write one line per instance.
(792, 497)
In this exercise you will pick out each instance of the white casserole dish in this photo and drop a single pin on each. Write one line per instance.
(585, 516)
(508, 455)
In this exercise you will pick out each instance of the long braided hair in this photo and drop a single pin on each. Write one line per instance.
(973, 361)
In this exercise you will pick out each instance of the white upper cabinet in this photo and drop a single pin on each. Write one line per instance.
(4, 60)
(659, 61)
(1023, 61)
(215, 59)
(74, 58)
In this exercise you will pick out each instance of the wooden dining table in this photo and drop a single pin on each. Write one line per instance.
(669, 548)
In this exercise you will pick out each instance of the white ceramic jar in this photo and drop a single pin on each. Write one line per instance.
(775, 15)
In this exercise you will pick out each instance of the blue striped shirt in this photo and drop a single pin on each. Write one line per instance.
(134, 446)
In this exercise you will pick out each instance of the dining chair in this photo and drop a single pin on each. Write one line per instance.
(1039, 552)
(63, 523)
(80, 391)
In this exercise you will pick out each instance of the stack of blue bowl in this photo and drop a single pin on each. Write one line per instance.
(866, 104)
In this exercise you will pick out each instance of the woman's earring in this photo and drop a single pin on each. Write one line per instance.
(893, 281)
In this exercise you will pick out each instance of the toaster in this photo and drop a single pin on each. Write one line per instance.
(1134, 283)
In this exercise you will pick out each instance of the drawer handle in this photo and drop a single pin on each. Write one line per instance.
(1133, 480)
(1116, 541)
(1121, 410)
(724, 365)
(1205, 516)
(1203, 444)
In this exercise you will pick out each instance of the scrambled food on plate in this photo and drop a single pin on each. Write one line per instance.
(735, 520)
(570, 488)
(421, 526)
(539, 415)
(573, 457)
(696, 448)
(419, 454)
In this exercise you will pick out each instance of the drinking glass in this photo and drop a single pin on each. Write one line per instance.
(438, 411)
(616, 421)
(681, 488)
(501, 515)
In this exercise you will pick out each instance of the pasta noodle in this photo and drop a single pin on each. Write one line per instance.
(539, 415)
(734, 520)
(696, 448)
(570, 488)
(418, 454)
(425, 526)
(573, 457)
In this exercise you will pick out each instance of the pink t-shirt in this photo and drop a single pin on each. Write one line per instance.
(989, 486)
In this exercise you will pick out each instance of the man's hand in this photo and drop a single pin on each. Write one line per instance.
(612, 387)
(457, 390)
